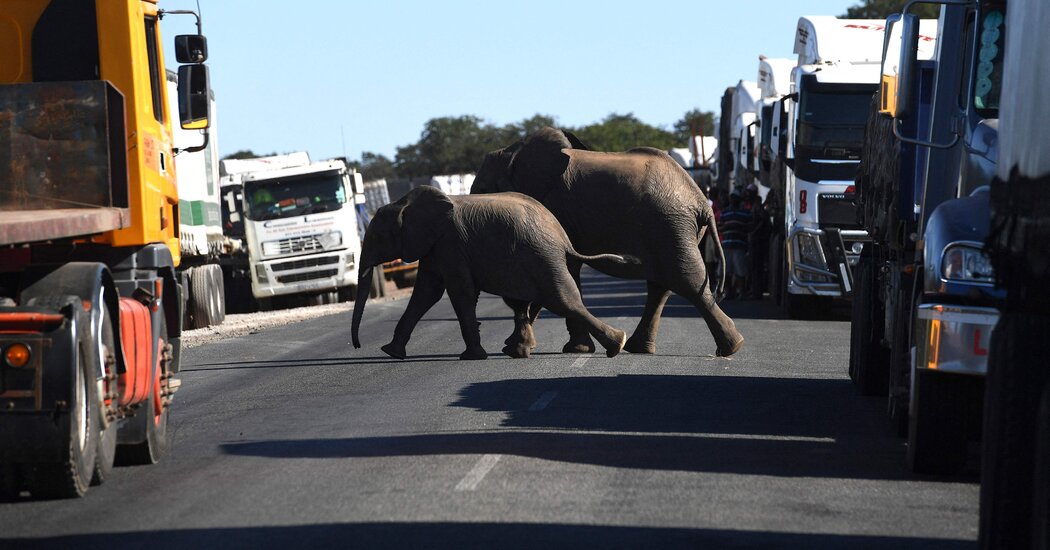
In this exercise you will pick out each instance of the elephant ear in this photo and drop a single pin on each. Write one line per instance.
(576, 142)
(540, 162)
(424, 219)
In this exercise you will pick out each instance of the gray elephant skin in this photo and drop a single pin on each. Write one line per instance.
(505, 244)
(638, 203)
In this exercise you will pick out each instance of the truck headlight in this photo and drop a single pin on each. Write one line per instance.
(331, 239)
(809, 250)
(966, 264)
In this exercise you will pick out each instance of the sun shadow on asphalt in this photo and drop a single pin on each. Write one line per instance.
(742, 425)
(441, 535)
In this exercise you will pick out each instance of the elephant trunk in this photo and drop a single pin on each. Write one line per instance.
(364, 286)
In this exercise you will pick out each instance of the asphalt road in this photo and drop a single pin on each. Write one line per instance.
(290, 438)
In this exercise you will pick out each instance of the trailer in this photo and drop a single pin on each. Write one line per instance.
(201, 241)
(90, 304)
(1015, 455)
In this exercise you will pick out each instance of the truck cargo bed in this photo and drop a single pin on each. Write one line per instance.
(26, 226)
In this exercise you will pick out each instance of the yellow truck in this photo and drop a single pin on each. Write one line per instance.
(90, 303)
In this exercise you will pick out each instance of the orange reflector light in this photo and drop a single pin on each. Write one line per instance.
(935, 343)
(17, 355)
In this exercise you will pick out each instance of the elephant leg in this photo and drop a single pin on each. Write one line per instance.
(464, 299)
(692, 285)
(570, 305)
(644, 338)
(520, 343)
(579, 331)
(428, 290)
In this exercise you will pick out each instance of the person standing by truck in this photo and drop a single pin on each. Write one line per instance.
(735, 224)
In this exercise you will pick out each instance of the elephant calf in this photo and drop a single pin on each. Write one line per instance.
(505, 244)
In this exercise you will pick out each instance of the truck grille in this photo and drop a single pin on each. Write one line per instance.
(836, 210)
(304, 263)
(298, 244)
(307, 276)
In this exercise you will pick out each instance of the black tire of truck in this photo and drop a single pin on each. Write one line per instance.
(868, 359)
(155, 427)
(218, 291)
(199, 303)
(104, 343)
(71, 476)
(1041, 486)
(1016, 381)
(937, 431)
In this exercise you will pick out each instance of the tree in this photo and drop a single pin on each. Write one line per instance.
(702, 122)
(374, 166)
(449, 145)
(880, 9)
(244, 154)
(622, 132)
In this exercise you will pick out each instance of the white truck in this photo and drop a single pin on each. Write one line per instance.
(831, 86)
(299, 222)
(774, 82)
(743, 117)
(201, 240)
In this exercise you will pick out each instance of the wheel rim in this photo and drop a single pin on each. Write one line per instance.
(82, 406)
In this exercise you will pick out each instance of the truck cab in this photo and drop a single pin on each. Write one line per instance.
(824, 114)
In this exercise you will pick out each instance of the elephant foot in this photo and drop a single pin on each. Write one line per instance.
(474, 354)
(397, 352)
(637, 345)
(614, 349)
(574, 347)
(519, 351)
(727, 351)
(515, 340)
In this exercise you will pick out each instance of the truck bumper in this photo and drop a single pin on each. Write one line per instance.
(951, 338)
(304, 274)
(808, 266)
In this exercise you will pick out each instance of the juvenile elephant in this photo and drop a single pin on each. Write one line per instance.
(505, 244)
(638, 203)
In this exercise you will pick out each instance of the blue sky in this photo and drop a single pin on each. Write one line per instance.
(337, 77)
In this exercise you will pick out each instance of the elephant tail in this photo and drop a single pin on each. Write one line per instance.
(712, 233)
(598, 261)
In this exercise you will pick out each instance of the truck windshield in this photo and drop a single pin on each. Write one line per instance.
(831, 124)
(294, 196)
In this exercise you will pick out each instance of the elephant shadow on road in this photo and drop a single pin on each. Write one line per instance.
(742, 425)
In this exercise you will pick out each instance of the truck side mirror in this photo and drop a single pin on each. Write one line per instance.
(191, 48)
(194, 91)
(906, 71)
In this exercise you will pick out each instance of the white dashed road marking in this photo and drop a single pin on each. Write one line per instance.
(484, 465)
(543, 401)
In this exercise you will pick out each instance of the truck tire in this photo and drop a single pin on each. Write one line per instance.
(1016, 382)
(937, 427)
(201, 301)
(104, 360)
(218, 291)
(71, 476)
(868, 359)
(1041, 485)
(154, 425)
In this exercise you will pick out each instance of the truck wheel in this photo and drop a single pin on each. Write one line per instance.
(104, 361)
(71, 476)
(776, 269)
(1016, 382)
(218, 291)
(868, 360)
(1041, 488)
(151, 416)
(200, 297)
(937, 423)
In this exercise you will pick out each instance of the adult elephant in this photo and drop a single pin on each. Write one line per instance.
(638, 203)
